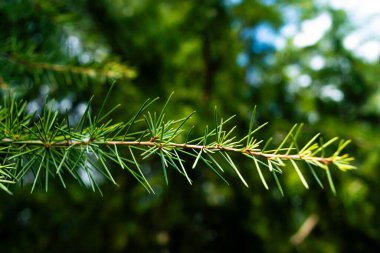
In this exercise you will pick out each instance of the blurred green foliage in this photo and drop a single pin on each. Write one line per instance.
(210, 54)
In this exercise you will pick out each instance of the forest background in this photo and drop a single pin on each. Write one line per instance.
(308, 61)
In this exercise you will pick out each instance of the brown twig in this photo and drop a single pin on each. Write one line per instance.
(324, 160)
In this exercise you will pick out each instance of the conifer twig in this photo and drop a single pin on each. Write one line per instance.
(109, 70)
(49, 146)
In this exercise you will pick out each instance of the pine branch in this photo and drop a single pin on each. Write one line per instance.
(108, 70)
(48, 146)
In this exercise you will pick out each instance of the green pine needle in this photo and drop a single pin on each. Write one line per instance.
(50, 143)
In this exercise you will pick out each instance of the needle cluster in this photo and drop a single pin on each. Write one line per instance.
(47, 146)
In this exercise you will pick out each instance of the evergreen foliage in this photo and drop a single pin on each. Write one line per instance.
(211, 53)
(41, 146)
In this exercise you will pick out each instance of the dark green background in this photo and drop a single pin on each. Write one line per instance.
(191, 48)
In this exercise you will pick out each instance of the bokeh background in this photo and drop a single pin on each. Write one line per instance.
(311, 61)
